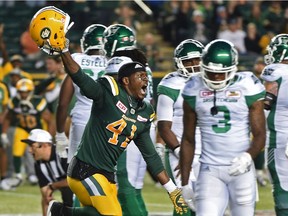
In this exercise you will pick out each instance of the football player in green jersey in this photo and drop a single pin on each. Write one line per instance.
(118, 115)
(120, 41)
(30, 111)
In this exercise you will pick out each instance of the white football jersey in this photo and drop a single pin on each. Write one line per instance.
(277, 117)
(91, 65)
(172, 86)
(226, 134)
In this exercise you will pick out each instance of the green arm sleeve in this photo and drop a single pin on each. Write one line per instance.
(172, 93)
(147, 149)
(89, 87)
(251, 99)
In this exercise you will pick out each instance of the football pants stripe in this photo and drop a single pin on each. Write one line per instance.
(92, 187)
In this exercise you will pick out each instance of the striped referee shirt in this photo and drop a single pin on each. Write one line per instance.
(51, 171)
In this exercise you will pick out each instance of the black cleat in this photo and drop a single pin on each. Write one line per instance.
(55, 208)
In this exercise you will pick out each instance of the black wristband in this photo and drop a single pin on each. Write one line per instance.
(175, 147)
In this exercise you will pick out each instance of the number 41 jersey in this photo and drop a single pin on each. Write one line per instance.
(115, 120)
(226, 134)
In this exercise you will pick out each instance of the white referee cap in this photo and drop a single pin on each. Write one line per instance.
(38, 135)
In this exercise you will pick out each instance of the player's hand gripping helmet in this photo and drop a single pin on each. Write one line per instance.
(93, 38)
(219, 58)
(48, 28)
(118, 37)
(277, 49)
(187, 50)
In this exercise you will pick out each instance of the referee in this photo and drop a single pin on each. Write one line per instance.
(50, 168)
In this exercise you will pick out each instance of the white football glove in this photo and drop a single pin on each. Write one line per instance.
(62, 143)
(188, 196)
(240, 164)
(286, 150)
(176, 152)
(5, 141)
(160, 149)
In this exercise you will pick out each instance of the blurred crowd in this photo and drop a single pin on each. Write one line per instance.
(249, 25)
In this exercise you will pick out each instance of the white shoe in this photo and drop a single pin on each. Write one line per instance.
(14, 181)
(33, 179)
(4, 185)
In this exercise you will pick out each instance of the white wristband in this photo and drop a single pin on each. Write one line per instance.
(170, 186)
(176, 151)
(61, 134)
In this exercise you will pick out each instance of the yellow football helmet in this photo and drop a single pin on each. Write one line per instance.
(48, 28)
(25, 85)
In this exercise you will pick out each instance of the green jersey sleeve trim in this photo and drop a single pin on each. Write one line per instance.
(191, 100)
(172, 93)
(252, 98)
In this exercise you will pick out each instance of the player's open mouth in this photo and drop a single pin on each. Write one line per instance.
(144, 89)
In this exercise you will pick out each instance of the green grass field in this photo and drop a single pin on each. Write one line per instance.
(26, 199)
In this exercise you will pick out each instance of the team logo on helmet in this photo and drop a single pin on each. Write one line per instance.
(45, 33)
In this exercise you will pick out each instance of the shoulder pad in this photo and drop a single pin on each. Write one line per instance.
(274, 71)
(248, 83)
(110, 83)
(194, 82)
(173, 80)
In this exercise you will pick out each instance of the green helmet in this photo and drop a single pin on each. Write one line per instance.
(92, 38)
(118, 37)
(277, 49)
(186, 50)
(219, 57)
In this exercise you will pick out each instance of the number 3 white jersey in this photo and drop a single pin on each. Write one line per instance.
(226, 134)
(91, 65)
(277, 117)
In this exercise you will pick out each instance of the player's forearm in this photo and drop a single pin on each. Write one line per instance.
(6, 124)
(59, 184)
(167, 134)
(163, 177)
(61, 116)
(187, 152)
(258, 128)
(71, 67)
